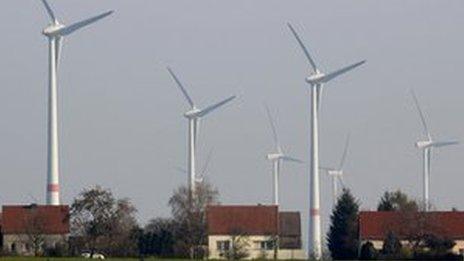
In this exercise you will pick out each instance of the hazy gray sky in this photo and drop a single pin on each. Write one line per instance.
(121, 113)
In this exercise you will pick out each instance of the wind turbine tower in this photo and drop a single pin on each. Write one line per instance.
(193, 116)
(427, 146)
(55, 32)
(316, 80)
(277, 158)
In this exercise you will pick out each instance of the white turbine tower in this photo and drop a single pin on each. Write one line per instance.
(277, 158)
(55, 32)
(316, 79)
(336, 174)
(426, 146)
(193, 116)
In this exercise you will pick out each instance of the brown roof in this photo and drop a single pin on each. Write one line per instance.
(22, 219)
(376, 224)
(248, 220)
(289, 224)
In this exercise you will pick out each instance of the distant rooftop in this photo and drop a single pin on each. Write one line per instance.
(252, 220)
(248, 220)
(374, 225)
(21, 219)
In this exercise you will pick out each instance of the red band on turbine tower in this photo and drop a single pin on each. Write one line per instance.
(314, 212)
(53, 187)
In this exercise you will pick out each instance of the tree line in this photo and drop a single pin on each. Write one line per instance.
(100, 223)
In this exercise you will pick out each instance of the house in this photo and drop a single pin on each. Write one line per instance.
(259, 231)
(375, 225)
(29, 229)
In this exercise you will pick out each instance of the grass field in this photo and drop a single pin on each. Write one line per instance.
(86, 259)
(78, 259)
(74, 259)
(81, 259)
(20, 258)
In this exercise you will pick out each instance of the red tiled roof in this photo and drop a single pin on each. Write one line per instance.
(25, 218)
(249, 220)
(375, 225)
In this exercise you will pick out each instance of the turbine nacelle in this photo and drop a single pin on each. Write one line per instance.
(316, 78)
(193, 113)
(335, 172)
(424, 144)
(274, 156)
(53, 29)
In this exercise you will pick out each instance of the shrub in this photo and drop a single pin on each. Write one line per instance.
(368, 252)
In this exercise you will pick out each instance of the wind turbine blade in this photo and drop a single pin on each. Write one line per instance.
(49, 11)
(340, 179)
(421, 114)
(438, 144)
(327, 169)
(273, 128)
(76, 26)
(181, 87)
(345, 152)
(337, 73)
(288, 158)
(305, 50)
(215, 106)
(208, 159)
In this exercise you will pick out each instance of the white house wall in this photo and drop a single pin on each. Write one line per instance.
(253, 248)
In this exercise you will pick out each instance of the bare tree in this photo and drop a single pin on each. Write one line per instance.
(99, 222)
(34, 225)
(239, 245)
(190, 216)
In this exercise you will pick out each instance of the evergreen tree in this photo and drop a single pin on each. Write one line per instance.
(157, 239)
(343, 233)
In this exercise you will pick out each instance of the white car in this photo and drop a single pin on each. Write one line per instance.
(95, 255)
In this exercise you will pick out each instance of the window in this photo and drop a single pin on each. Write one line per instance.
(267, 245)
(223, 245)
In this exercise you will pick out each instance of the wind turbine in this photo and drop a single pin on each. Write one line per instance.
(201, 178)
(426, 146)
(55, 32)
(193, 116)
(316, 79)
(277, 158)
(336, 174)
